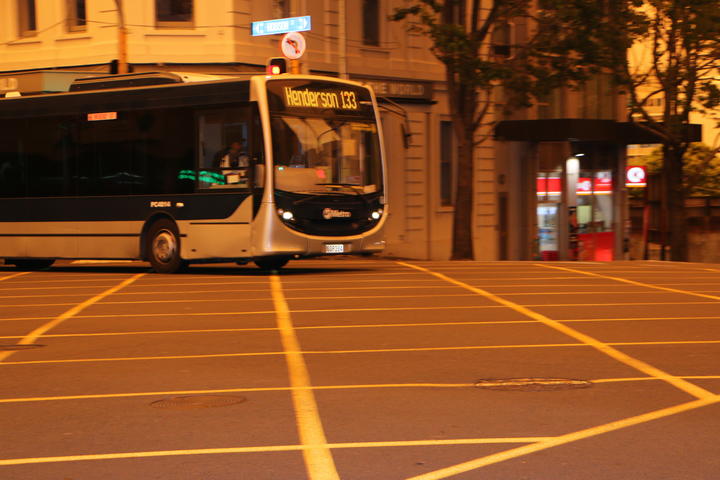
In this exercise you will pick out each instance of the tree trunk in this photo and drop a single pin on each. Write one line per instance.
(462, 245)
(675, 202)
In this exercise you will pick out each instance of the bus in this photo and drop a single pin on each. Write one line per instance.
(262, 168)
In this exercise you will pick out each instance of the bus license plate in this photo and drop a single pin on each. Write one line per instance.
(334, 248)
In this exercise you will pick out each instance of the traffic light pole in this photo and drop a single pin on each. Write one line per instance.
(122, 39)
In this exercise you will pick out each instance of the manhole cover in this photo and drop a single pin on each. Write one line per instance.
(197, 401)
(532, 384)
(20, 347)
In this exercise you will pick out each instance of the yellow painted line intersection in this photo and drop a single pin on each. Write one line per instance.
(313, 444)
(704, 397)
(31, 337)
(567, 438)
(271, 448)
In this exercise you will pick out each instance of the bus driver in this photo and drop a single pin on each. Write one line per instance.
(233, 162)
(232, 157)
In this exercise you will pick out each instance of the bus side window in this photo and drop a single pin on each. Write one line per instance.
(224, 159)
(12, 166)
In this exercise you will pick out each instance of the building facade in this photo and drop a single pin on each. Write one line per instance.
(549, 175)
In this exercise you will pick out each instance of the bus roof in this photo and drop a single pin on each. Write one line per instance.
(134, 97)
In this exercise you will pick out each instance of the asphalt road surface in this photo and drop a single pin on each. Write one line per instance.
(361, 369)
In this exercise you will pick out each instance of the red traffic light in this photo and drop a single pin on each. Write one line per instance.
(276, 66)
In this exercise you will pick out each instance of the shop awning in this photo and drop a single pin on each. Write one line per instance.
(582, 130)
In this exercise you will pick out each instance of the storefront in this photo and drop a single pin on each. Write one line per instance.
(566, 185)
(580, 187)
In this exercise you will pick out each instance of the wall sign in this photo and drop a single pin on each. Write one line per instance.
(636, 176)
(400, 89)
(281, 25)
(292, 45)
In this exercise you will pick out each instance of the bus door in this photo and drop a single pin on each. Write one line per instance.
(225, 183)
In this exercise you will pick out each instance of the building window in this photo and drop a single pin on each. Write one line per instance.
(501, 41)
(27, 19)
(371, 22)
(281, 8)
(174, 13)
(448, 164)
(76, 19)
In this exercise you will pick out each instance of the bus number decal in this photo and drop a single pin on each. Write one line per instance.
(163, 204)
(348, 100)
(101, 116)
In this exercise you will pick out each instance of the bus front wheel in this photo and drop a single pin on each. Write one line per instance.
(271, 263)
(163, 247)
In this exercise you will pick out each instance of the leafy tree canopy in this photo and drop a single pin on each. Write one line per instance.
(701, 169)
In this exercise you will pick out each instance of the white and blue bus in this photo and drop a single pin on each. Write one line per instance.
(146, 166)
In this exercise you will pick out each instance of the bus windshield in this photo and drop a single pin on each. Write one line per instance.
(318, 154)
(325, 138)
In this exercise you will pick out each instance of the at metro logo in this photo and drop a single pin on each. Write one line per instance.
(329, 213)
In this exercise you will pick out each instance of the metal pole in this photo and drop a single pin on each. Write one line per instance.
(342, 41)
(122, 39)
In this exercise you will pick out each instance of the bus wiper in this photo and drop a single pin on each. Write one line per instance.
(348, 186)
(316, 195)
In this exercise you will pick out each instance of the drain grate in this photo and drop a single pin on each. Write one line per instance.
(197, 401)
(532, 384)
(19, 347)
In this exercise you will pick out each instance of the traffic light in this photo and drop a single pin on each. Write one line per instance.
(276, 66)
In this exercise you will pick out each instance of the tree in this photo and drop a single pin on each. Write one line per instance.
(679, 45)
(701, 169)
(556, 46)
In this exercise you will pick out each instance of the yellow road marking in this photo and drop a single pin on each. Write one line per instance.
(579, 304)
(235, 390)
(263, 329)
(565, 439)
(31, 337)
(264, 312)
(229, 290)
(370, 350)
(644, 367)
(360, 325)
(13, 275)
(246, 298)
(101, 396)
(318, 459)
(632, 282)
(571, 320)
(270, 448)
(126, 359)
(641, 379)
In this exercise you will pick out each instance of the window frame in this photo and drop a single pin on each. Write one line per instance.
(280, 8)
(174, 23)
(74, 22)
(27, 18)
(371, 29)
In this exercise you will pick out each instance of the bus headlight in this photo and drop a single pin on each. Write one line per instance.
(286, 215)
(376, 214)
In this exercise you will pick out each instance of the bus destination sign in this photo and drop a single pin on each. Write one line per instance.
(309, 98)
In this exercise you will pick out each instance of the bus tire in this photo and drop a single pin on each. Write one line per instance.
(163, 247)
(271, 263)
(31, 263)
